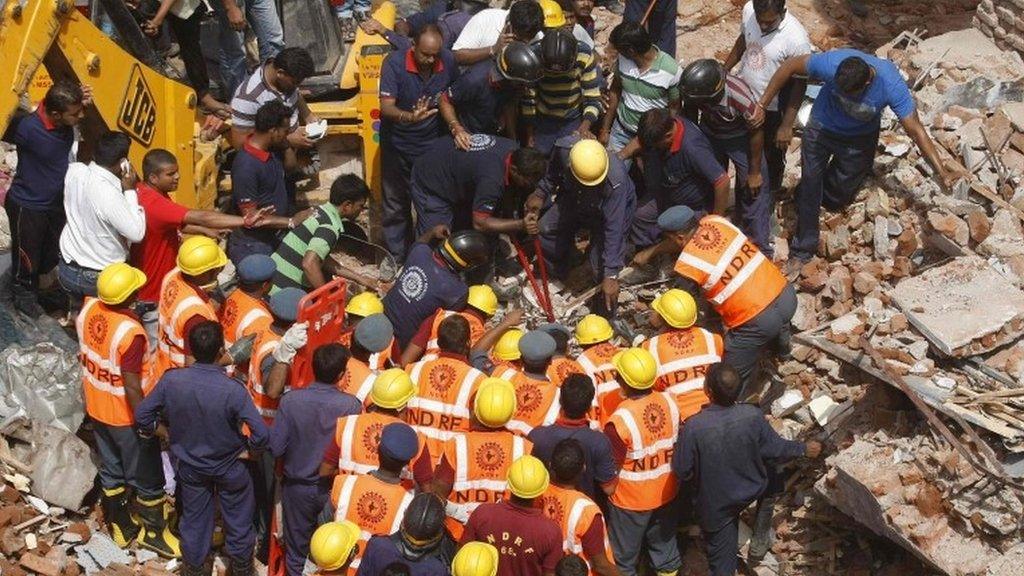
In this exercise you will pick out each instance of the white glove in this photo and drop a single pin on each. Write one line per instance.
(292, 341)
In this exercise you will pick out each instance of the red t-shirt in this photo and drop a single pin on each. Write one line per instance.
(529, 543)
(157, 252)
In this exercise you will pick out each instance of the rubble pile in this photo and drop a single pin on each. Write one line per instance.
(1003, 21)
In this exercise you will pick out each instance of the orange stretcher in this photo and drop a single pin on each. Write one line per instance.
(324, 310)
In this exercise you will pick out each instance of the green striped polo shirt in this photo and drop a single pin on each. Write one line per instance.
(318, 233)
(646, 90)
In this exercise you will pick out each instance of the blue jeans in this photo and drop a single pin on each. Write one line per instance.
(548, 129)
(753, 212)
(619, 139)
(266, 23)
(78, 282)
(834, 167)
(241, 245)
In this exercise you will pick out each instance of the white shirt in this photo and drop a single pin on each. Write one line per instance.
(102, 221)
(764, 54)
(484, 28)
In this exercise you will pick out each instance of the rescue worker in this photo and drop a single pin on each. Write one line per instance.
(463, 189)
(430, 279)
(734, 123)
(358, 307)
(483, 99)
(113, 352)
(420, 544)
(562, 366)
(682, 351)
(592, 191)
(354, 446)
(333, 547)
(305, 422)
(481, 304)
(185, 301)
(536, 394)
(505, 354)
(475, 559)
(529, 543)
(444, 386)
(594, 334)
(205, 410)
(473, 466)
(747, 290)
(579, 518)
(680, 167)
(575, 399)
(373, 334)
(244, 311)
(567, 98)
(642, 431)
(376, 501)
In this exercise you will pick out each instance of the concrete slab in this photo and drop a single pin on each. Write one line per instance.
(964, 307)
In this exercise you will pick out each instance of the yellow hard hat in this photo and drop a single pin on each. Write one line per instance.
(475, 559)
(333, 543)
(200, 254)
(364, 304)
(593, 329)
(507, 347)
(588, 161)
(117, 282)
(495, 402)
(527, 477)
(676, 307)
(637, 367)
(392, 389)
(553, 16)
(483, 298)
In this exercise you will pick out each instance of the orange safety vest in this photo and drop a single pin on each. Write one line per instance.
(377, 507)
(648, 426)
(441, 406)
(735, 276)
(104, 335)
(358, 439)
(265, 344)
(561, 367)
(536, 402)
(683, 358)
(574, 513)
(242, 315)
(481, 459)
(378, 360)
(476, 330)
(179, 302)
(357, 379)
(597, 363)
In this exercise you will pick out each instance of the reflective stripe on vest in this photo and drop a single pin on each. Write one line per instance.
(265, 405)
(253, 315)
(100, 357)
(461, 406)
(345, 499)
(463, 483)
(572, 544)
(171, 343)
(646, 460)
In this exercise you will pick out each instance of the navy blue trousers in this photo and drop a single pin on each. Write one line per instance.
(753, 213)
(233, 490)
(300, 503)
(396, 205)
(661, 24)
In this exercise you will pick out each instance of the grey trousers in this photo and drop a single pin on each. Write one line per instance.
(745, 344)
(128, 459)
(629, 531)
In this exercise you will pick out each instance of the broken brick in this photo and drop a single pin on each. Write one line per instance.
(39, 565)
(81, 529)
(979, 225)
(949, 226)
(864, 283)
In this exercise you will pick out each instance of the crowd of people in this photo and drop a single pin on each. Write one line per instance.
(432, 438)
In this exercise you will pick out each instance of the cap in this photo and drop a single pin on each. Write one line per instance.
(536, 346)
(256, 268)
(398, 441)
(374, 333)
(677, 219)
(284, 304)
(554, 328)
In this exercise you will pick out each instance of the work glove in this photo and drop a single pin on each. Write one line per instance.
(241, 351)
(292, 341)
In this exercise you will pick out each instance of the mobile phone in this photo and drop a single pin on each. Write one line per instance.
(126, 166)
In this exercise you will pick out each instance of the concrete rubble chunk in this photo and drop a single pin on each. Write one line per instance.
(100, 552)
(943, 303)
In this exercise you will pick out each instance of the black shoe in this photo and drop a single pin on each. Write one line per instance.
(242, 566)
(155, 534)
(28, 305)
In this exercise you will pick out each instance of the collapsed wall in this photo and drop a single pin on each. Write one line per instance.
(1003, 21)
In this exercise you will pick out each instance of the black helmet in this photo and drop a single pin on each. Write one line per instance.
(703, 81)
(558, 51)
(465, 249)
(519, 63)
(423, 523)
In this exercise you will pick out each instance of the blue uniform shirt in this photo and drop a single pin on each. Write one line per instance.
(205, 411)
(479, 96)
(428, 16)
(401, 81)
(425, 286)
(597, 450)
(685, 175)
(451, 25)
(258, 175)
(862, 114)
(609, 206)
(304, 425)
(727, 451)
(43, 157)
(381, 551)
(475, 178)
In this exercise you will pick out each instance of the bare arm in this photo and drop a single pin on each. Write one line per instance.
(495, 225)
(602, 566)
(491, 337)
(412, 353)
(614, 95)
(468, 56)
(754, 176)
(337, 269)
(737, 52)
(390, 111)
(278, 377)
(791, 67)
(722, 195)
(917, 132)
(451, 119)
(133, 389)
(212, 219)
